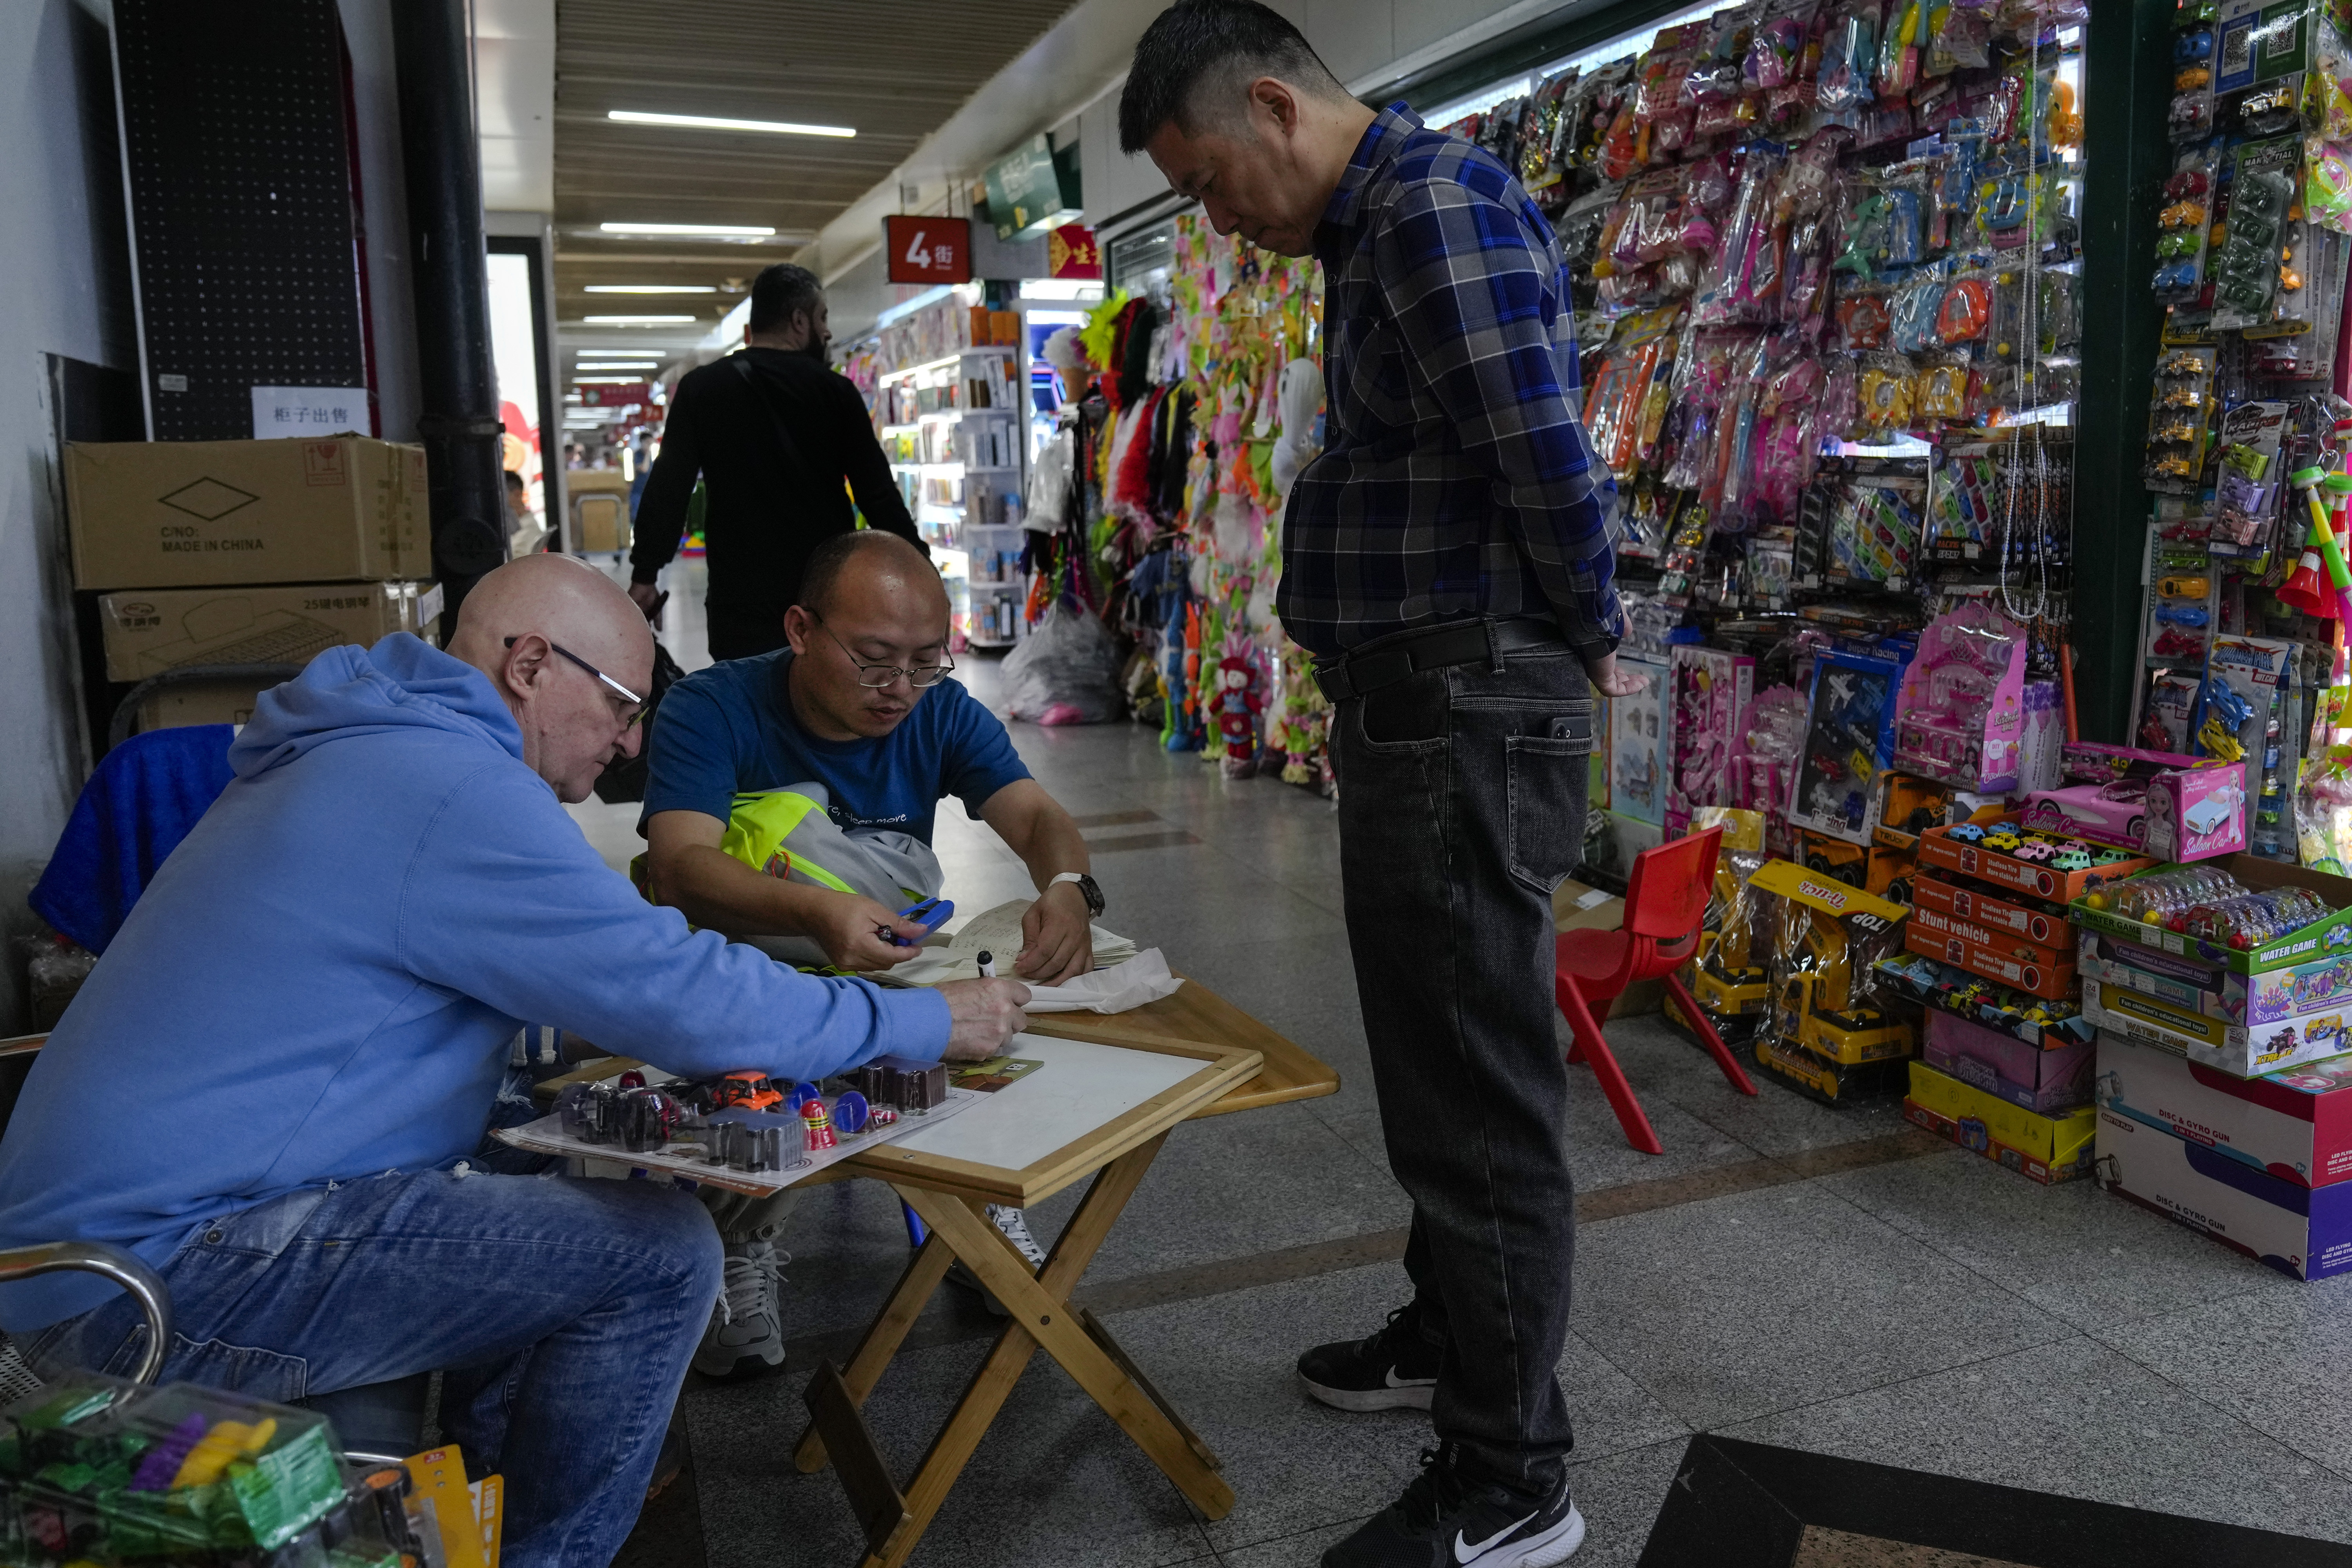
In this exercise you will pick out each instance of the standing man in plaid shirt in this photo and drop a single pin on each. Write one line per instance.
(1447, 560)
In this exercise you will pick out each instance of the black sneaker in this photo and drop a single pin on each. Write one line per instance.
(1449, 1518)
(1392, 1370)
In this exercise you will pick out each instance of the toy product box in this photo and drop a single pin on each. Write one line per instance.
(1708, 715)
(1965, 713)
(2163, 804)
(2305, 1232)
(1907, 806)
(2209, 989)
(2048, 1148)
(2043, 925)
(2047, 1024)
(2044, 1081)
(2318, 940)
(2296, 1125)
(2036, 971)
(2241, 1050)
(1849, 736)
(1638, 744)
(2008, 855)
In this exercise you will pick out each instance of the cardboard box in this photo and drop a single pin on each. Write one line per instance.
(2241, 1050)
(2295, 1125)
(2043, 927)
(199, 702)
(147, 632)
(168, 514)
(2036, 971)
(1939, 850)
(2051, 1025)
(2047, 1148)
(2321, 939)
(2208, 988)
(2305, 1232)
(2044, 1081)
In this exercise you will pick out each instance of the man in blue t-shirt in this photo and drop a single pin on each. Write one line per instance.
(860, 703)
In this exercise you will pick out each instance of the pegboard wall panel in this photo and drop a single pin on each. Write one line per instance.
(241, 206)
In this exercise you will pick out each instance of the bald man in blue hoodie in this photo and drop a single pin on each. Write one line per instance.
(268, 1086)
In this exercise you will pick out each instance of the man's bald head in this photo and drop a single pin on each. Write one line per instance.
(517, 626)
(865, 561)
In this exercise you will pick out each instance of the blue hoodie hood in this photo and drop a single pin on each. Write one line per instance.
(347, 692)
(322, 982)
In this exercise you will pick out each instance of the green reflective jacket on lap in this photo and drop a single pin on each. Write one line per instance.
(784, 834)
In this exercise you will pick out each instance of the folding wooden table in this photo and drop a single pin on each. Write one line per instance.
(1244, 1065)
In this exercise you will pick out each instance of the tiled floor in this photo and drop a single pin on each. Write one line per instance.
(1921, 1308)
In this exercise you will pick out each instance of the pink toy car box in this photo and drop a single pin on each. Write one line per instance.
(2163, 804)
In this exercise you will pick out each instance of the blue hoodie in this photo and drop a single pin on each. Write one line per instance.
(323, 979)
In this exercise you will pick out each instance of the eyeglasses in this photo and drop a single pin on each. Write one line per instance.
(634, 701)
(877, 676)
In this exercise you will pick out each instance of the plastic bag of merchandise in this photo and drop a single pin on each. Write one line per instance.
(1065, 671)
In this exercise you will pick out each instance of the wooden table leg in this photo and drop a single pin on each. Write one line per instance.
(1114, 1185)
(924, 1272)
(1042, 1309)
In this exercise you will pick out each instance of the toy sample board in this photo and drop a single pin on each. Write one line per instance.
(1080, 1087)
(1637, 745)
(683, 1157)
(1847, 742)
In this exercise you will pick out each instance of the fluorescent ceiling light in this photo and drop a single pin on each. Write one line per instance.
(638, 320)
(589, 357)
(651, 289)
(746, 230)
(708, 123)
(606, 380)
(1061, 288)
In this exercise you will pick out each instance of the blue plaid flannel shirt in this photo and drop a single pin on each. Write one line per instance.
(1456, 480)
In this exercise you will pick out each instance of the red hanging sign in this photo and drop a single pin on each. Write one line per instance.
(1071, 252)
(928, 249)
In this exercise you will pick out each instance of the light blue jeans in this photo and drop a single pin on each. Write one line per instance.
(562, 1311)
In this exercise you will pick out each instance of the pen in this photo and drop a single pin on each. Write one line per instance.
(987, 965)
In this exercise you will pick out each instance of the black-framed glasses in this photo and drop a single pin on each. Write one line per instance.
(877, 676)
(623, 692)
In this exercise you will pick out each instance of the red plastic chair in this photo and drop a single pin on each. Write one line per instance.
(1665, 898)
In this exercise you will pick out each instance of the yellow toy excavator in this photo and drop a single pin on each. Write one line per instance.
(1827, 1028)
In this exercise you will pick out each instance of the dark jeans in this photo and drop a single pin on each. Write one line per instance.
(1461, 807)
(740, 634)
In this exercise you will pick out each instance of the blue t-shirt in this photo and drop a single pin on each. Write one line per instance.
(731, 729)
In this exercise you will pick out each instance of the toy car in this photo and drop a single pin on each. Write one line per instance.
(747, 1090)
(2112, 812)
(1966, 833)
(2004, 839)
(2072, 861)
(2183, 587)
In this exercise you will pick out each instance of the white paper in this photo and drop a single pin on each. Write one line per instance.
(1081, 1086)
(1143, 978)
(309, 411)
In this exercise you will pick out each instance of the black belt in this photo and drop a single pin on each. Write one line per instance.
(1465, 642)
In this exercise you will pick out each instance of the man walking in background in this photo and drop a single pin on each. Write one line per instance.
(780, 443)
(1447, 559)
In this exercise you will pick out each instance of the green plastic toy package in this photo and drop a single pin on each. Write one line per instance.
(96, 1470)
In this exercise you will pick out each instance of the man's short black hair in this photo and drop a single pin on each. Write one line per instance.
(779, 292)
(1198, 47)
(825, 561)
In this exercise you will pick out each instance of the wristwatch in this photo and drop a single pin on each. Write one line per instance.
(1086, 889)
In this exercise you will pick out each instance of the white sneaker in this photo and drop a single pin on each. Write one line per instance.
(746, 1337)
(1015, 1226)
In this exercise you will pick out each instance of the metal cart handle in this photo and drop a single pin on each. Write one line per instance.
(104, 1259)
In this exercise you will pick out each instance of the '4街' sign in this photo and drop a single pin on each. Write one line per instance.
(928, 249)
